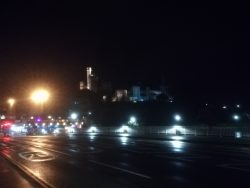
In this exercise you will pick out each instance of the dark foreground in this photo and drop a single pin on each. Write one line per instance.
(96, 161)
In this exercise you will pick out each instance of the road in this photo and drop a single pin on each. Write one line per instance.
(98, 161)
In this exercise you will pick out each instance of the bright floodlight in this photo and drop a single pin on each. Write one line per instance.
(11, 102)
(132, 120)
(177, 117)
(40, 96)
(73, 116)
(236, 117)
(92, 129)
(123, 129)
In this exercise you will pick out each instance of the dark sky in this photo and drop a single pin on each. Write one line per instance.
(200, 49)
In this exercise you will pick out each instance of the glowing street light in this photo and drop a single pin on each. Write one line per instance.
(177, 117)
(11, 102)
(236, 117)
(73, 116)
(40, 96)
(132, 120)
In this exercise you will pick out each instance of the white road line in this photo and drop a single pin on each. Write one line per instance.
(43, 148)
(40, 147)
(121, 169)
(227, 166)
(175, 158)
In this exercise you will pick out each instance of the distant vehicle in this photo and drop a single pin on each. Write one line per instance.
(59, 129)
(6, 126)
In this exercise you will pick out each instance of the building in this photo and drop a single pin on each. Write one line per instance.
(91, 80)
(120, 95)
(139, 94)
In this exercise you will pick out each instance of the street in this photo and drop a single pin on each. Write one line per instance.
(90, 160)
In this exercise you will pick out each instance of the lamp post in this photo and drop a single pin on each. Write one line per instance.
(177, 117)
(11, 103)
(40, 97)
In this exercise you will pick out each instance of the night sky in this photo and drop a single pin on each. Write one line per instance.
(200, 50)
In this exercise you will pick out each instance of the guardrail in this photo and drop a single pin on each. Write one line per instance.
(171, 130)
(162, 131)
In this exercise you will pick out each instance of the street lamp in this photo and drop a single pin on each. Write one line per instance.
(177, 117)
(73, 116)
(40, 96)
(11, 103)
(236, 117)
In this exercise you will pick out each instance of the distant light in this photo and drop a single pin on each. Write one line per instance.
(49, 117)
(237, 106)
(15, 128)
(92, 137)
(238, 134)
(124, 129)
(206, 104)
(176, 130)
(70, 130)
(73, 116)
(40, 96)
(92, 129)
(177, 137)
(104, 98)
(90, 113)
(11, 102)
(177, 117)
(132, 120)
(236, 117)
(44, 131)
(31, 117)
(56, 131)
(38, 119)
(224, 107)
(177, 145)
(3, 117)
(124, 140)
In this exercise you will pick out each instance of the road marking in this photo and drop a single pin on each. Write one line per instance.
(120, 169)
(175, 158)
(48, 149)
(232, 167)
(37, 156)
(27, 171)
(60, 152)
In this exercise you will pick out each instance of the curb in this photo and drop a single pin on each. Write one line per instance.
(26, 171)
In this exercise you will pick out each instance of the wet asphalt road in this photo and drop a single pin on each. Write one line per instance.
(97, 161)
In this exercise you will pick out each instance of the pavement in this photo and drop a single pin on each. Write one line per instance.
(97, 161)
(11, 177)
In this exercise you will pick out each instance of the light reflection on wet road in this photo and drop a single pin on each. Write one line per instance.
(97, 161)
